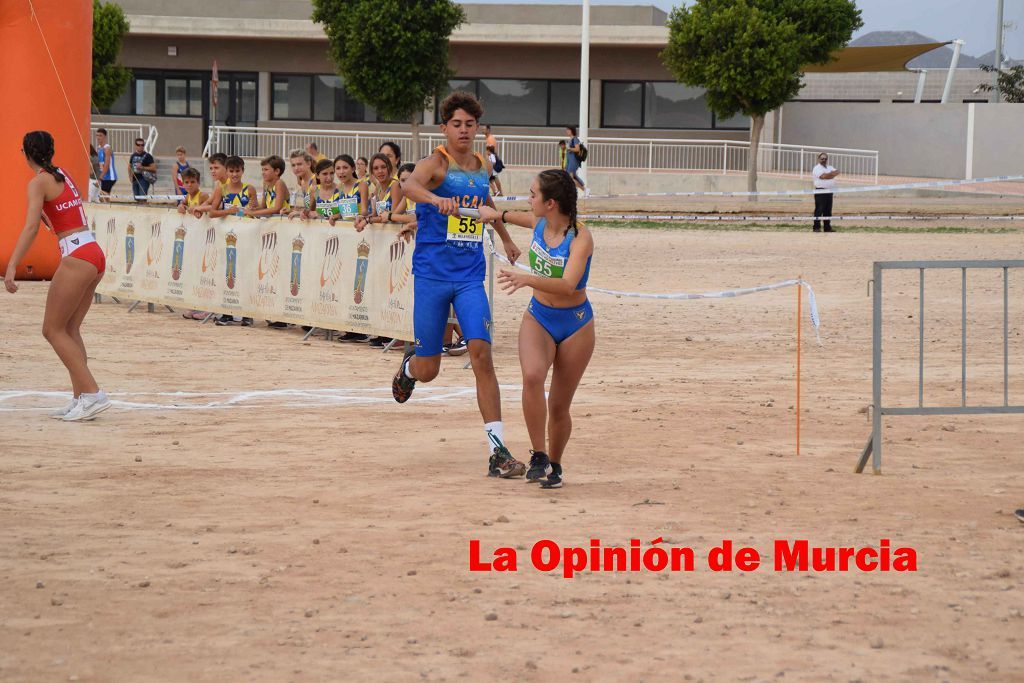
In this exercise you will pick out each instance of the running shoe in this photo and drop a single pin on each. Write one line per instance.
(88, 407)
(503, 465)
(554, 480)
(277, 324)
(59, 414)
(247, 322)
(1020, 514)
(540, 466)
(353, 337)
(224, 320)
(459, 348)
(402, 386)
(445, 350)
(379, 342)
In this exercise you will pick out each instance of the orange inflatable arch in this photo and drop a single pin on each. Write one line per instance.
(31, 31)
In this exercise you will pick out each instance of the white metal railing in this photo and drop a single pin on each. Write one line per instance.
(650, 155)
(121, 136)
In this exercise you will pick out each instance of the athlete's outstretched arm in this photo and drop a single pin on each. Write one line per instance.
(429, 174)
(36, 196)
(524, 219)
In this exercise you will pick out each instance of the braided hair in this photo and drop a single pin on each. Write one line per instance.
(558, 185)
(38, 148)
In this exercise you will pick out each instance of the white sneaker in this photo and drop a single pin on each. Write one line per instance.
(59, 414)
(88, 407)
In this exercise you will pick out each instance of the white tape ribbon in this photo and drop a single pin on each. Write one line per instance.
(790, 193)
(685, 296)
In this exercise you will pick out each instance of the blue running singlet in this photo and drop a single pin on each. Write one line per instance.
(551, 261)
(450, 248)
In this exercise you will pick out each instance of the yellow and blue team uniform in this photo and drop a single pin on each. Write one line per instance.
(326, 207)
(545, 261)
(350, 201)
(192, 202)
(237, 200)
(271, 195)
(448, 262)
(384, 203)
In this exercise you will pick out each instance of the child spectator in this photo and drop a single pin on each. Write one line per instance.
(194, 196)
(355, 196)
(363, 170)
(275, 192)
(302, 169)
(182, 162)
(237, 195)
(324, 199)
(219, 174)
(108, 172)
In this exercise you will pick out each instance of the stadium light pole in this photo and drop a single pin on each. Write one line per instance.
(584, 77)
(998, 62)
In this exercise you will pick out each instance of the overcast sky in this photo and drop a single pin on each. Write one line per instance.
(972, 20)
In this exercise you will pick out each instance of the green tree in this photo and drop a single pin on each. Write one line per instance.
(109, 79)
(391, 54)
(748, 54)
(1010, 83)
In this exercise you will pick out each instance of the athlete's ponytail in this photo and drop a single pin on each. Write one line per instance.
(38, 148)
(558, 185)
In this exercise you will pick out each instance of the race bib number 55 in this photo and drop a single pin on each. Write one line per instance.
(465, 229)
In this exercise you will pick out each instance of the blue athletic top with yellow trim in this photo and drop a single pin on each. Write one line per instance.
(551, 261)
(451, 247)
(239, 199)
(326, 207)
(271, 193)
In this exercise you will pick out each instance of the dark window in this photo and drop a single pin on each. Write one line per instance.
(291, 97)
(318, 97)
(159, 93)
(673, 105)
(660, 104)
(564, 105)
(623, 105)
(521, 102)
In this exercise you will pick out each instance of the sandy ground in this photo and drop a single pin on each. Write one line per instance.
(324, 534)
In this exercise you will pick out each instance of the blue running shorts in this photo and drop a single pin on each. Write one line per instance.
(431, 302)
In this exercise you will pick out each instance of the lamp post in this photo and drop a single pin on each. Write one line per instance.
(999, 45)
(584, 77)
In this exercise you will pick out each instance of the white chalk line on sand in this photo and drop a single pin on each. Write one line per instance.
(13, 400)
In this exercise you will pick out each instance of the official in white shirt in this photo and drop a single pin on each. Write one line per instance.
(824, 179)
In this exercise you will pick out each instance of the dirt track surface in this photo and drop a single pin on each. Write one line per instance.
(324, 534)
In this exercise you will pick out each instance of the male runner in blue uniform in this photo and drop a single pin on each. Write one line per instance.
(449, 269)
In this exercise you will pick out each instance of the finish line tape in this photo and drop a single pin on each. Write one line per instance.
(687, 296)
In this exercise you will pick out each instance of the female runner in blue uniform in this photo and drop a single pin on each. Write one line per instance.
(449, 269)
(558, 326)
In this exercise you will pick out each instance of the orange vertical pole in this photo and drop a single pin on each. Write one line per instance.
(44, 95)
(799, 307)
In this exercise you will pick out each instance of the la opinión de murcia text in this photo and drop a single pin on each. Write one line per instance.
(796, 555)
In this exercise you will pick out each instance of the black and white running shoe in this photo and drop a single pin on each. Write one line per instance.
(353, 337)
(1020, 514)
(402, 386)
(459, 348)
(554, 480)
(502, 464)
(540, 466)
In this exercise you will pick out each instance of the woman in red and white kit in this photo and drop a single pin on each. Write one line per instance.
(54, 199)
